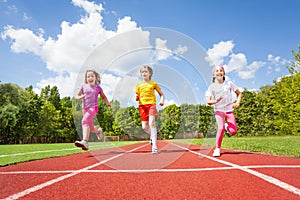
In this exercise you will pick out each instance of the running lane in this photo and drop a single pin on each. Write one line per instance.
(132, 172)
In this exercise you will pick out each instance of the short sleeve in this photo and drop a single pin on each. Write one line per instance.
(208, 92)
(99, 89)
(233, 87)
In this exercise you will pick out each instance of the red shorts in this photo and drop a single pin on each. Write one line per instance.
(147, 110)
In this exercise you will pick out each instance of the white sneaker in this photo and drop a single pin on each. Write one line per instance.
(217, 152)
(99, 134)
(82, 144)
(154, 151)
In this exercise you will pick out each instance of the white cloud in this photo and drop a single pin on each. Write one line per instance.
(89, 7)
(66, 54)
(86, 44)
(219, 51)
(26, 17)
(23, 40)
(180, 50)
(126, 24)
(64, 83)
(276, 62)
(237, 62)
(162, 52)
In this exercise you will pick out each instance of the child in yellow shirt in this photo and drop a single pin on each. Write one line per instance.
(145, 95)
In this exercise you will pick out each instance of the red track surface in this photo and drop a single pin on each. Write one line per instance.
(132, 172)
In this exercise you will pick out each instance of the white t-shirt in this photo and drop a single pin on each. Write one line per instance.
(216, 90)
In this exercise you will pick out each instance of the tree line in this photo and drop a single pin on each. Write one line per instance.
(26, 117)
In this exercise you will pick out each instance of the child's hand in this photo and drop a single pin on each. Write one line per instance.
(80, 97)
(235, 105)
(218, 99)
(108, 105)
(161, 103)
(137, 98)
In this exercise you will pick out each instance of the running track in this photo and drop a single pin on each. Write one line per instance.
(132, 172)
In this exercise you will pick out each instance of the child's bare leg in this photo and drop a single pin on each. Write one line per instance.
(85, 133)
(145, 127)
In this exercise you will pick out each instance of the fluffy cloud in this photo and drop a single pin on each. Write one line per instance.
(219, 52)
(86, 44)
(223, 54)
(237, 62)
(66, 54)
(24, 40)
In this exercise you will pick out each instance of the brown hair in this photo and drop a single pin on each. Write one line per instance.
(147, 68)
(98, 80)
(213, 71)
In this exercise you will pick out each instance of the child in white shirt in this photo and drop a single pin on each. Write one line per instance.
(219, 95)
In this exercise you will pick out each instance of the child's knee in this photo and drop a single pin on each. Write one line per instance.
(84, 122)
(145, 127)
(232, 130)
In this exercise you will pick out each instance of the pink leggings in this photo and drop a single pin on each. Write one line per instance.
(231, 128)
(88, 117)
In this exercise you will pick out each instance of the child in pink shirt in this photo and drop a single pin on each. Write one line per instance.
(89, 93)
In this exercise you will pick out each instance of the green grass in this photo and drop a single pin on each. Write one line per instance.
(12, 154)
(279, 145)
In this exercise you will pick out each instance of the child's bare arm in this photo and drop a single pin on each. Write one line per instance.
(239, 98)
(103, 96)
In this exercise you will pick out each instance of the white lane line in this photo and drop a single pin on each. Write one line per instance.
(150, 170)
(61, 178)
(35, 152)
(47, 151)
(267, 178)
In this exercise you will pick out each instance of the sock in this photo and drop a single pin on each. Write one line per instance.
(153, 137)
(148, 131)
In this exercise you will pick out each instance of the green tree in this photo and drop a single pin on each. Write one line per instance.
(13, 102)
(205, 118)
(170, 120)
(124, 123)
(189, 121)
(295, 65)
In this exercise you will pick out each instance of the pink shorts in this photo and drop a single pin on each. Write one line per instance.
(147, 110)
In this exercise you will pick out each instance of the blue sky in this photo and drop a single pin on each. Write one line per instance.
(49, 42)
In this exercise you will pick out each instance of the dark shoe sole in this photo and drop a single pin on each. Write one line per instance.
(77, 144)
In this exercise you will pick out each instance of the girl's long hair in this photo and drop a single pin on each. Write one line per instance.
(98, 79)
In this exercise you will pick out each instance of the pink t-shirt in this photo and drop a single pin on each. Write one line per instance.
(91, 93)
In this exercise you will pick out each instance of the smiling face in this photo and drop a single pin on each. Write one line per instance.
(90, 78)
(219, 74)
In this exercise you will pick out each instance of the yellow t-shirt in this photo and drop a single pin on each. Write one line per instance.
(145, 92)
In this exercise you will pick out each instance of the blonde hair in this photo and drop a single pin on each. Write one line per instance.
(150, 70)
(98, 80)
